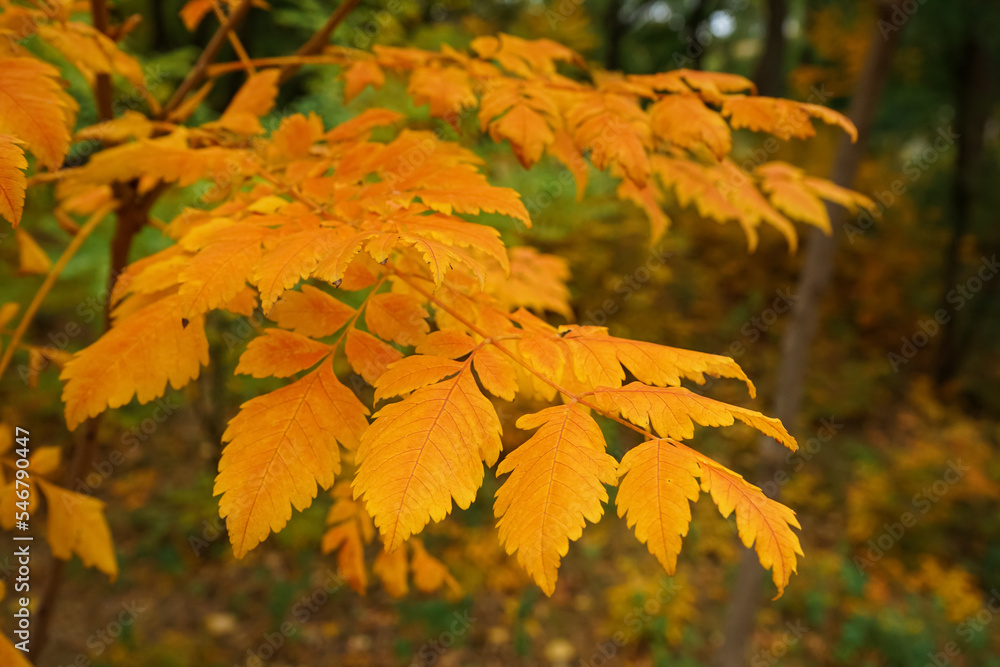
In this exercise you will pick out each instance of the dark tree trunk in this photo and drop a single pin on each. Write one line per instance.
(974, 95)
(770, 74)
(616, 31)
(691, 23)
(797, 339)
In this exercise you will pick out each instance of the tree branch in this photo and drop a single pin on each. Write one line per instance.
(207, 56)
(102, 83)
(320, 38)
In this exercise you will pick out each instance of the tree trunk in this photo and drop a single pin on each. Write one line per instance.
(616, 31)
(769, 76)
(974, 76)
(699, 12)
(798, 337)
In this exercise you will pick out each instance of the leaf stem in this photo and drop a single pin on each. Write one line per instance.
(207, 56)
(494, 341)
(49, 281)
(320, 38)
(102, 82)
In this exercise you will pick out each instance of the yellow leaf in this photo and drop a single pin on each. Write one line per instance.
(496, 372)
(7, 312)
(424, 451)
(193, 12)
(12, 179)
(396, 317)
(648, 198)
(220, 270)
(556, 484)
(785, 119)
(349, 532)
(10, 656)
(685, 121)
(76, 525)
(672, 411)
(657, 483)
(450, 344)
(430, 574)
(31, 258)
(311, 312)
(137, 357)
(762, 523)
(598, 359)
(292, 259)
(361, 74)
(448, 90)
(368, 356)
(391, 568)
(254, 99)
(280, 446)
(35, 109)
(280, 353)
(412, 373)
(45, 460)
(526, 130)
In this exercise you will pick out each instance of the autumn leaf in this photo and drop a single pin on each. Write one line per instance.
(762, 523)
(281, 445)
(280, 353)
(657, 483)
(673, 411)
(34, 108)
(423, 452)
(137, 357)
(76, 525)
(32, 260)
(12, 179)
(556, 484)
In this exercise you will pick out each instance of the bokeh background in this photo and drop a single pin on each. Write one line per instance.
(896, 486)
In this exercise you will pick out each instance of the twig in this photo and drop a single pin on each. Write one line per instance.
(234, 41)
(207, 56)
(320, 38)
(50, 280)
(102, 83)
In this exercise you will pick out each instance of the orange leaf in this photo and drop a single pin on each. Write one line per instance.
(280, 446)
(35, 109)
(556, 484)
(368, 356)
(77, 526)
(311, 312)
(12, 179)
(396, 317)
(137, 357)
(280, 353)
(658, 481)
(672, 411)
(423, 452)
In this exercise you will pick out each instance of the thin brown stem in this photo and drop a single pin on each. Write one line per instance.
(234, 41)
(218, 69)
(50, 280)
(102, 82)
(197, 74)
(320, 38)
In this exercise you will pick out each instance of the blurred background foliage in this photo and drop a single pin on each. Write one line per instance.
(880, 439)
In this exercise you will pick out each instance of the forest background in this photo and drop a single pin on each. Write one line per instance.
(900, 386)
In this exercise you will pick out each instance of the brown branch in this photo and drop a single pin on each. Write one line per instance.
(102, 83)
(207, 56)
(320, 38)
